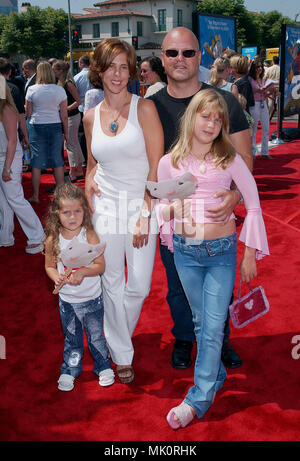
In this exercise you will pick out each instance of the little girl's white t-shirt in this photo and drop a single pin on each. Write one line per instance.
(90, 287)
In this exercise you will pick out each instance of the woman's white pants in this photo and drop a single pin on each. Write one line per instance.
(123, 299)
(12, 202)
(260, 114)
(75, 155)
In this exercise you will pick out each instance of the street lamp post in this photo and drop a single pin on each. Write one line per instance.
(70, 37)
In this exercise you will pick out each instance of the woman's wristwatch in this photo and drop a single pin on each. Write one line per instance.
(9, 170)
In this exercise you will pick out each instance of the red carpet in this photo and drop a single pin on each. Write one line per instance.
(258, 402)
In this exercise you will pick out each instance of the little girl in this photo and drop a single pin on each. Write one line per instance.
(205, 251)
(80, 299)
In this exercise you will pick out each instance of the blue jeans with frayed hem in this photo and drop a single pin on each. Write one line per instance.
(77, 318)
(206, 269)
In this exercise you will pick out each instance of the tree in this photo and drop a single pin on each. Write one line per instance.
(35, 33)
(270, 28)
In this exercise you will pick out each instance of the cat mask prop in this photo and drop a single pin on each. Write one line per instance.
(172, 189)
(78, 254)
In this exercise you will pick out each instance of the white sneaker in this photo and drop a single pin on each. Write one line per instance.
(66, 382)
(106, 377)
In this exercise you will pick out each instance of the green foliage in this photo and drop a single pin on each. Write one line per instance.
(262, 29)
(270, 28)
(35, 33)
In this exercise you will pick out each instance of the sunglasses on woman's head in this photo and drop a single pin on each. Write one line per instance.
(185, 53)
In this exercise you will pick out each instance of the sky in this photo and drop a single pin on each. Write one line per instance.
(288, 7)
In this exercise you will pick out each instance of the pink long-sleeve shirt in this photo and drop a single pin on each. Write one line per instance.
(212, 180)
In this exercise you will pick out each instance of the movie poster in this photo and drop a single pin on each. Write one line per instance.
(215, 34)
(290, 71)
(250, 52)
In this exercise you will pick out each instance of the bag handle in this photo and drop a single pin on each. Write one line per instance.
(239, 289)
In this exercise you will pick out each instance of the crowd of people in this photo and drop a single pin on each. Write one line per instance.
(184, 123)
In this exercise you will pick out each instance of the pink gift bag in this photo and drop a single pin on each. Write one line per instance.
(250, 307)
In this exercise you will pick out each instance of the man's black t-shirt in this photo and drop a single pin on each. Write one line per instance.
(171, 109)
(245, 88)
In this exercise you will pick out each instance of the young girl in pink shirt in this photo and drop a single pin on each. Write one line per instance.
(205, 251)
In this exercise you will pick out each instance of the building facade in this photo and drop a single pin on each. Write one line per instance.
(146, 20)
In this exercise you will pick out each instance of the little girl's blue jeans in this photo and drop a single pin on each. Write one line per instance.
(206, 269)
(77, 318)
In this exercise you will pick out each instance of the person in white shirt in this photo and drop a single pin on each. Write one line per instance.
(273, 73)
(46, 107)
(153, 74)
(81, 79)
(96, 94)
(83, 85)
(203, 74)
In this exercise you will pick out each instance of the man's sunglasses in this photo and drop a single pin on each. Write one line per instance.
(185, 53)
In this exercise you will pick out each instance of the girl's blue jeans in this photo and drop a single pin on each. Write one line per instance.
(77, 318)
(206, 269)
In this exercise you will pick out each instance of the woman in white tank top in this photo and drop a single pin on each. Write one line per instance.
(124, 143)
(12, 200)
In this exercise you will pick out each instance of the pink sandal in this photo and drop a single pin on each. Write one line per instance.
(183, 412)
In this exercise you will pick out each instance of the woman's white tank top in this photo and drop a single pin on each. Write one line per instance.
(90, 287)
(122, 159)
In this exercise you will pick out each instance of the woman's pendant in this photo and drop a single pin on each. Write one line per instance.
(113, 127)
(202, 167)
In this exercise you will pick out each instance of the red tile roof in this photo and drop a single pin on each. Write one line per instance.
(103, 14)
(113, 2)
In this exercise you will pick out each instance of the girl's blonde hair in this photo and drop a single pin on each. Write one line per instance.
(217, 69)
(44, 73)
(240, 64)
(53, 225)
(66, 75)
(222, 150)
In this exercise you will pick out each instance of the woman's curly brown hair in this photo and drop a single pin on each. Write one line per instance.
(53, 225)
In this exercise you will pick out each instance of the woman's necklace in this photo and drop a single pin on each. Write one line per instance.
(114, 126)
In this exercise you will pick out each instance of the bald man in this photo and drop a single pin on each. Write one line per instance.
(181, 59)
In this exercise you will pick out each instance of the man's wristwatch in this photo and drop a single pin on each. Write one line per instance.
(145, 213)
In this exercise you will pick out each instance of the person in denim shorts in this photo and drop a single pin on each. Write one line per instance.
(204, 250)
(80, 299)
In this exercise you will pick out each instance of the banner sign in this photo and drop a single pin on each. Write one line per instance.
(270, 52)
(290, 70)
(215, 34)
(249, 51)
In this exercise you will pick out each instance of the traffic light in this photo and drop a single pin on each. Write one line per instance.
(75, 37)
(135, 42)
(66, 36)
